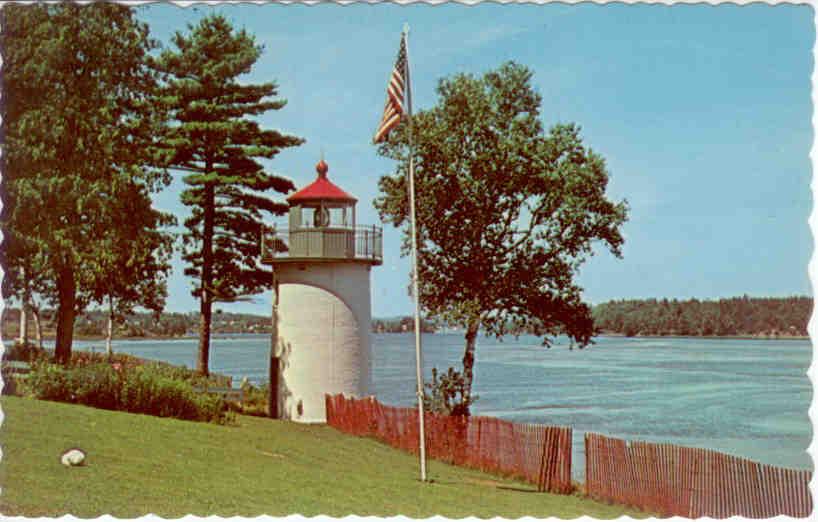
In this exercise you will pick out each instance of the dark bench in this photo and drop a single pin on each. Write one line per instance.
(228, 394)
(14, 373)
(17, 368)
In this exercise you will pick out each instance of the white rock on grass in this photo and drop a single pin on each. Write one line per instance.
(73, 457)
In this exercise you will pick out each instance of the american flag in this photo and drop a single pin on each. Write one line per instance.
(395, 95)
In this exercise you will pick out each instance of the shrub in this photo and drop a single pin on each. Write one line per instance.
(446, 394)
(255, 398)
(178, 373)
(143, 389)
(147, 390)
(96, 385)
(49, 382)
(83, 358)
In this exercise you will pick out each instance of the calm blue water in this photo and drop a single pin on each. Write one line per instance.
(744, 397)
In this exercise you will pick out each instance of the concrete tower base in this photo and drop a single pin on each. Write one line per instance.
(324, 336)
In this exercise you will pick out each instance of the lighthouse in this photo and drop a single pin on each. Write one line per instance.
(322, 261)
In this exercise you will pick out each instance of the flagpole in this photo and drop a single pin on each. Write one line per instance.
(418, 352)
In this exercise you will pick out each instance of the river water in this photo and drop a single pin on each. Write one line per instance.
(744, 397)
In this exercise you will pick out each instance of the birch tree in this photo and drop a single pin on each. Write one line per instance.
(507, 212)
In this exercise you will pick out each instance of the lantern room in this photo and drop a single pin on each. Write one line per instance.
(322, 224)
(322, 204)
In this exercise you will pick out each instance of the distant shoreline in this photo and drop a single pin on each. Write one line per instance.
(714, 337)
(604, 334)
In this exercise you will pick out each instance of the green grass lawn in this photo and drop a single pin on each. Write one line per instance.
(139, 464)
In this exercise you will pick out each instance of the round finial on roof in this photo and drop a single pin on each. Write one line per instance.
(322, 168)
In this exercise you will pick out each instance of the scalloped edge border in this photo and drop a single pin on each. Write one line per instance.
(812, 266)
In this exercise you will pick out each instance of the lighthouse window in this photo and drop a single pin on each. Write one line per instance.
(308, 217)
(338, 217)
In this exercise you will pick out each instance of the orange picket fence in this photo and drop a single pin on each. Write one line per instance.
(537, 454)
(691, 482)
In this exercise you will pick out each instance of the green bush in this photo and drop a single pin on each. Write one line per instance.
(49, 382)
(94, 385)
(180, 373)
(446, 394)
(255, 399)
(143, 389)
(127, 362)
(83, 358)
(148, 390)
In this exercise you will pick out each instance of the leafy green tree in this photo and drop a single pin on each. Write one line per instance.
(132, 267)
(77, 119)
(506, 212)
(26, 273)
(216, 139)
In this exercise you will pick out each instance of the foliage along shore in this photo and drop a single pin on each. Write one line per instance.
(759, 337)
(100, 338)
(744, 317)
(173, 325)
(737, 317)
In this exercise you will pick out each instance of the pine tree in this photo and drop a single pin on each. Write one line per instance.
(215, 139)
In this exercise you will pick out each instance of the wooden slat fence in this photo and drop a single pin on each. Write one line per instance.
(691, 482)
(537, 454)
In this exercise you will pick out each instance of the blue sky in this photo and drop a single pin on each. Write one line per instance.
(703, 114)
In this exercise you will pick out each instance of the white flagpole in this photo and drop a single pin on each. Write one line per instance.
(418, 352)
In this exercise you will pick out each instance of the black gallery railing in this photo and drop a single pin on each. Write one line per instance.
(359, 243)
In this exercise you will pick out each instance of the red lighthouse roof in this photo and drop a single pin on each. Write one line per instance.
(321, 188)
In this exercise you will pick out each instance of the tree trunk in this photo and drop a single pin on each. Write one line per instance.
(66, 290)
(272, 398)
(24, 310)
(23, 338)
(110, 333)
(38, 327)
(468, 359)
(202, 365)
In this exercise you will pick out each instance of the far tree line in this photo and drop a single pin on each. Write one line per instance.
(402, 324)
(94, 324)
(737, 316)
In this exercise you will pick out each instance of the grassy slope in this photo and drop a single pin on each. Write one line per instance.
(139, 464)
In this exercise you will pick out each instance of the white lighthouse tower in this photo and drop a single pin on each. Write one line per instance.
(321, 265)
